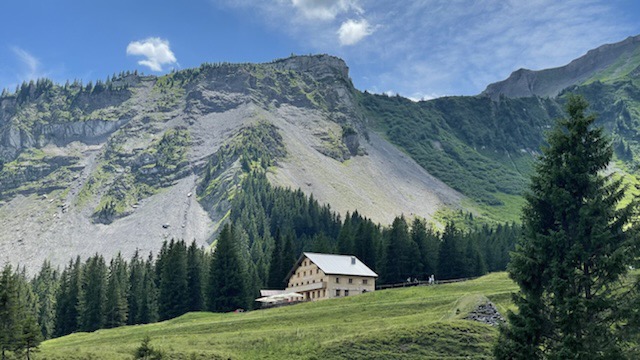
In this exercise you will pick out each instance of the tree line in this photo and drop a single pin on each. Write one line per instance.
(268, 228)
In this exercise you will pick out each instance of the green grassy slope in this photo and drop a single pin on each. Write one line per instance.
(480, 147)
(485, 148)
(419, 322)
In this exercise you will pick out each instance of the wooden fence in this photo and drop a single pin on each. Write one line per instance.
(421, 283)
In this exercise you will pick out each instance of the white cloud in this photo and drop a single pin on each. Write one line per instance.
(352, 31)
(432, 48)
(445, 47)
(312, 22)
(325, 9)
(155, 50)
(31, 63)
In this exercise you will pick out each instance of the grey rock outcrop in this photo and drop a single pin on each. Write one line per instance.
(550, 82)
(486, 313)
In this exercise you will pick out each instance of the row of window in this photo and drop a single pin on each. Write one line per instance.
(364, 281)
(302, 283)
(316, 294)
(304, 273)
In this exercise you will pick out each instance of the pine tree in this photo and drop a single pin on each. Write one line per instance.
(364, 237)
(288, 255)
(228, 278)
(172, 298)
(575, 248)
(67, 301)
(91, 304)
(276, 278)
(195, 278)
(30, 335)
(10, 325)
(451, 258)
(116, 305)
(148, 302)
(346, 237)
(46, 285)
(136, 288)
(398, 258)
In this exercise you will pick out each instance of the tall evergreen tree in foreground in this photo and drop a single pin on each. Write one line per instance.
(576, 246)
(228, 275)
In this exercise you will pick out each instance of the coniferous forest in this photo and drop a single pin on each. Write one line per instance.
(268, 229)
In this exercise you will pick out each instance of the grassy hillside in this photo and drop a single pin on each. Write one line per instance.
(485, 148)
(411, 323)
(480, 147)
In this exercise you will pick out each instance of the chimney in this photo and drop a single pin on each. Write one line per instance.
(353, 260)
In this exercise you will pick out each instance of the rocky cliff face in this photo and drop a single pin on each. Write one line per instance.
(606, 62)
(128, 163)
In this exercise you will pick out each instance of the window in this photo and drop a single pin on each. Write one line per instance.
(337, 280)
(337, 292)
(346, 293)
(364, 281)
(317, 271)
(314, 281)
(305, 274)
(298, 274)
(350, 281)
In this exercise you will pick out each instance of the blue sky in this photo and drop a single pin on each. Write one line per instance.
(419, 49)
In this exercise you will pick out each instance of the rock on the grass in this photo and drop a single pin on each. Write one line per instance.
(486, 313)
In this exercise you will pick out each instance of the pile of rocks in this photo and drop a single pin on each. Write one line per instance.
(486, 313)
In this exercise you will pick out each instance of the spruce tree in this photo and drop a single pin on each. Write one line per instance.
(346, 237)
(576, 246)
(276, 278)
(195, 278)
(288, 255)
(136, 288)
(451, 257)
(116, 305)
(30, 335)
(10, 325)
(172, 298)
(91, 304)
(148, 302)
(228, 277)
(68, 298)
(398, 258)
(46, 285)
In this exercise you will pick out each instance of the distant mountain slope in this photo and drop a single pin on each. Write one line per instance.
(129, 162)
(607, 62)
(126, 163)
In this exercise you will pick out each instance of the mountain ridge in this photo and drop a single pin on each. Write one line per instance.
(550, 82)
(121, 165)
(124, 164)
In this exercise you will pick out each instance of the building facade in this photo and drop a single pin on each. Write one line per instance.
(324, 276)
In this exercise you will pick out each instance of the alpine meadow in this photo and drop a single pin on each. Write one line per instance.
(213, 203)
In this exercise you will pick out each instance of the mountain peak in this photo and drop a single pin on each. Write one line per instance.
(605, 63)
(321, 65)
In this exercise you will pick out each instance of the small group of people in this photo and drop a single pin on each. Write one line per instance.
(431, 280)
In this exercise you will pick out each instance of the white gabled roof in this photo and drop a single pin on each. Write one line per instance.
(339, 264)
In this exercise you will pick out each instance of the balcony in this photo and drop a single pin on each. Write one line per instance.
(308, 287)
